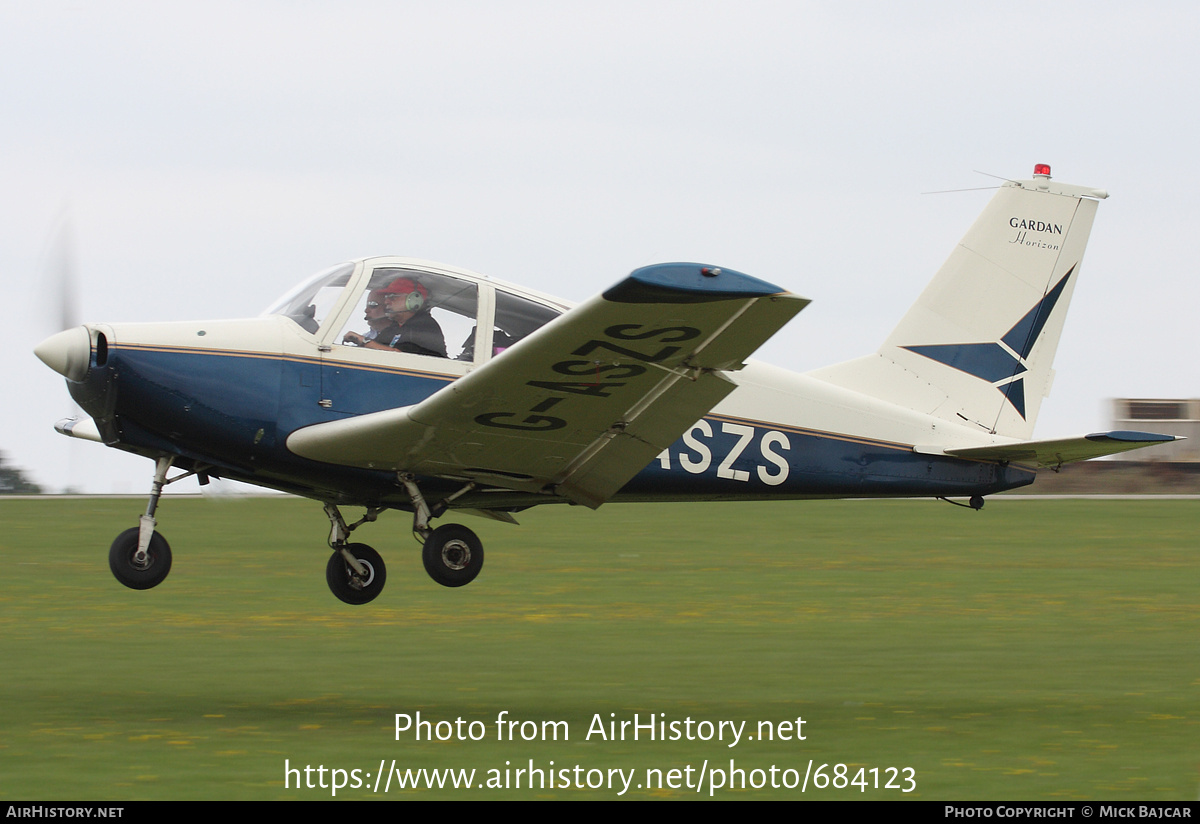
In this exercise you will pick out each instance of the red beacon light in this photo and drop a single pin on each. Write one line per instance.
(1041, 170)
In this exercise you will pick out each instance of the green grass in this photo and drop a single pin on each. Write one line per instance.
(1036, 650)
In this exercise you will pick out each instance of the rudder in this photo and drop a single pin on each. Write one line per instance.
(977, 346)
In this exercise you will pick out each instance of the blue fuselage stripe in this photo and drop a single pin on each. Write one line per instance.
(235, 411)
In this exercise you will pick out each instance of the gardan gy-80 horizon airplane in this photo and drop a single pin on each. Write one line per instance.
(472, 395)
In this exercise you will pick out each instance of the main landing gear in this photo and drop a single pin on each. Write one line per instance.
(140, 558)
(452, 554)
(355, 572)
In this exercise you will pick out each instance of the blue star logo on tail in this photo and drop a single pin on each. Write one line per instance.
(1000, 363)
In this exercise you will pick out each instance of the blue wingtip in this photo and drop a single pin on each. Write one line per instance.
(688, 283)
(1130, 436)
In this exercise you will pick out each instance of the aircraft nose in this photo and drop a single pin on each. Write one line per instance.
(67, 353)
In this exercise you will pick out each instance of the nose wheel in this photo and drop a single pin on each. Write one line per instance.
(139, 570)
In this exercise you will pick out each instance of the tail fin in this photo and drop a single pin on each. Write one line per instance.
(977, 346)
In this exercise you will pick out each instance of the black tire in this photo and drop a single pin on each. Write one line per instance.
(453, 555)
(129, 572)
(345, 583)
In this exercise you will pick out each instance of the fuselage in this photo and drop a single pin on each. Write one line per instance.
(223, 396)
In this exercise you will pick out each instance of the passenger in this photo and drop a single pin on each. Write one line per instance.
(416, 331)
(382, 327)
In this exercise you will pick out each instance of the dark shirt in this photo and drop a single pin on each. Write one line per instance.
(384, 335)
(420, 335)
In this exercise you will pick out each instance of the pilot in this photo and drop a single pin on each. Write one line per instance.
(413, 329)
(382, 327)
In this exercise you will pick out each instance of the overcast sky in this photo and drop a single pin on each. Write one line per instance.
(210, 155)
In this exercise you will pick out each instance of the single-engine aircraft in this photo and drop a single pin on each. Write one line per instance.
(393, 383)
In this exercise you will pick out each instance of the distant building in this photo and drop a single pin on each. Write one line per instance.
(1169, 417)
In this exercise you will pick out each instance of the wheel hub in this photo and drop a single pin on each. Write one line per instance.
(456, 555)
(357, 581)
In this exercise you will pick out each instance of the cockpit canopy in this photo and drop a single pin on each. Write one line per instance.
(415, 307)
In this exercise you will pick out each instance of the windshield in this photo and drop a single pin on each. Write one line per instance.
(308, 303)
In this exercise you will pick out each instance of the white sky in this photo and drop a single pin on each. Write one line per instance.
(212, 154)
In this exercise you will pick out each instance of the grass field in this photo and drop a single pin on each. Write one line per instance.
(1035, 650)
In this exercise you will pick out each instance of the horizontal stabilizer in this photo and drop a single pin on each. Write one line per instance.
(1055, 453)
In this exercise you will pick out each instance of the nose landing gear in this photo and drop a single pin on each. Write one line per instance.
(140, 558)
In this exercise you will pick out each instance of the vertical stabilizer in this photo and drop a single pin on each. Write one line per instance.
(977, 346)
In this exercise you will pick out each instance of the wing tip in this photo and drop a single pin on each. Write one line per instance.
(1132, 436)
(688, 283)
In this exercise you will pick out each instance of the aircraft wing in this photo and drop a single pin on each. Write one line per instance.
(586, 402)
(1066, 450)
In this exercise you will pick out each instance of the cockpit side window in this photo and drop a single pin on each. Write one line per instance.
(417, 312)
(517, 318)
(310, 302)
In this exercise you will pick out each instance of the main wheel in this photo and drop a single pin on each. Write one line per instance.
(125, 566)
(347, 584)
(453, 555)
